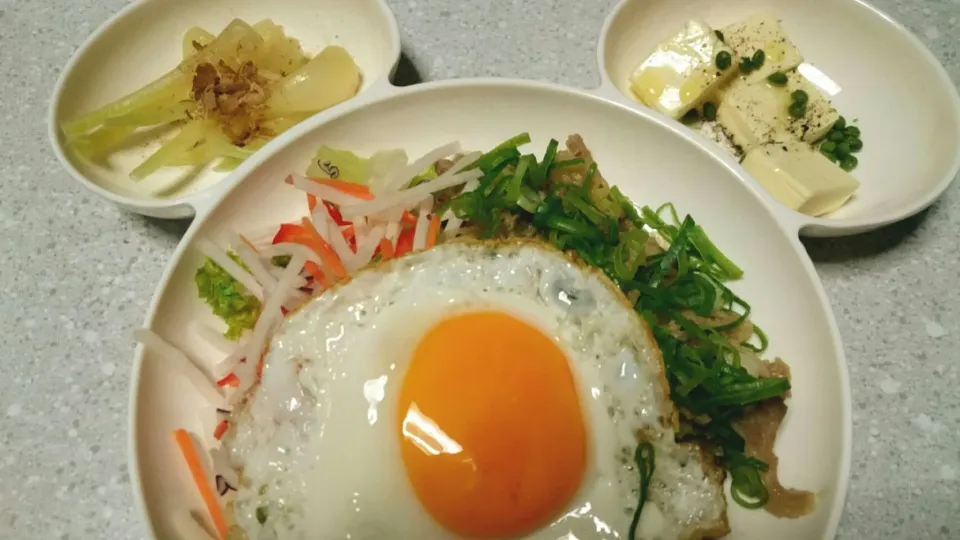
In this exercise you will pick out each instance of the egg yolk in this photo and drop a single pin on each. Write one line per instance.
(492, 436)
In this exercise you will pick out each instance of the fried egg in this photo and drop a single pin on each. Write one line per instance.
(473, 390)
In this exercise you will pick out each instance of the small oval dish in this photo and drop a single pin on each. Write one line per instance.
(875, 72)
(145, 40)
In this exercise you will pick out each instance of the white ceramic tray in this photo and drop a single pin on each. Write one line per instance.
(871, 67)
(652, 159)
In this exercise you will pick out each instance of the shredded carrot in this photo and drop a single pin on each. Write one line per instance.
(433, 231)
(386, 249)
(314, 270)
(249, 244)
(359, 191)
(314, 241)
(260, 368)
(230, 380)
(190, 455)
(221, 429)
(311, 201)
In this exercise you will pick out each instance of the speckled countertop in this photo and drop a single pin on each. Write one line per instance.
(77, 274)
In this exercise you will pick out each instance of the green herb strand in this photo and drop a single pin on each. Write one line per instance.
(644, 458)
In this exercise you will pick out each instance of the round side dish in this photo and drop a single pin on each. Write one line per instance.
(120, 57)
(873, 70)
(652, 160)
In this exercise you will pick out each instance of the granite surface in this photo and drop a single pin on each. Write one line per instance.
(77, 275)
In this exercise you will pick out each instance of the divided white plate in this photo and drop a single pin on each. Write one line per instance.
(143, 41)
(904, 101)
(651, 158)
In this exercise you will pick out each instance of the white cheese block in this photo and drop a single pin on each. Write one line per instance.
(800, 177)
(753, 114)
(762, 31)
(682, 72)
(820, 116)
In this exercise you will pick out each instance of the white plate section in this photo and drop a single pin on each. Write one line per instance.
(144, 41)
(874, 71)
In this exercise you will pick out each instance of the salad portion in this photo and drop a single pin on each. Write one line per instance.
(363, 210)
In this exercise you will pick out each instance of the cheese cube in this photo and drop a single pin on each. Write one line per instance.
(682, 72)
(820, 116)
(800, 177)
(754, 113)
(762, 31)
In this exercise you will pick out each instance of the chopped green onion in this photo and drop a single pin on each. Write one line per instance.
(646, 465)
(539, 174)
(746, 484)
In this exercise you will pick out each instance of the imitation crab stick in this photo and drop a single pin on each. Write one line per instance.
(230, 380)
(221, 429)
(359, 191)
(323, 249)
(189, 451)
(307, 235)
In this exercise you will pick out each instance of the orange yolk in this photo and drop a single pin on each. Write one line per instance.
(492, 435)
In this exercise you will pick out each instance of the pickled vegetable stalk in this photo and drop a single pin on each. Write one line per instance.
(230, 94)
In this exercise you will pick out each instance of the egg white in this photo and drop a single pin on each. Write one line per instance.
(317, 444)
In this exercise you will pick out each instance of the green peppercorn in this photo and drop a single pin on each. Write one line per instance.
(777, 79)
(690, 116)
(852, 131)
(709, 111)
(797, 109)
(836, 136)
(746, 65)
(855, 145)
(849, 163)
(799, 96)
(843, 149)
(719, 34)
(828, 147)
(840, 124)
(723, 60)
(758, 57)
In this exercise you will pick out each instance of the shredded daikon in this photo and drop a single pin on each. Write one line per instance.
(220, 257)
(367, 244)
(423, 224)
(271, 316)
(401, 177)
(259, 271)
(411, 197)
